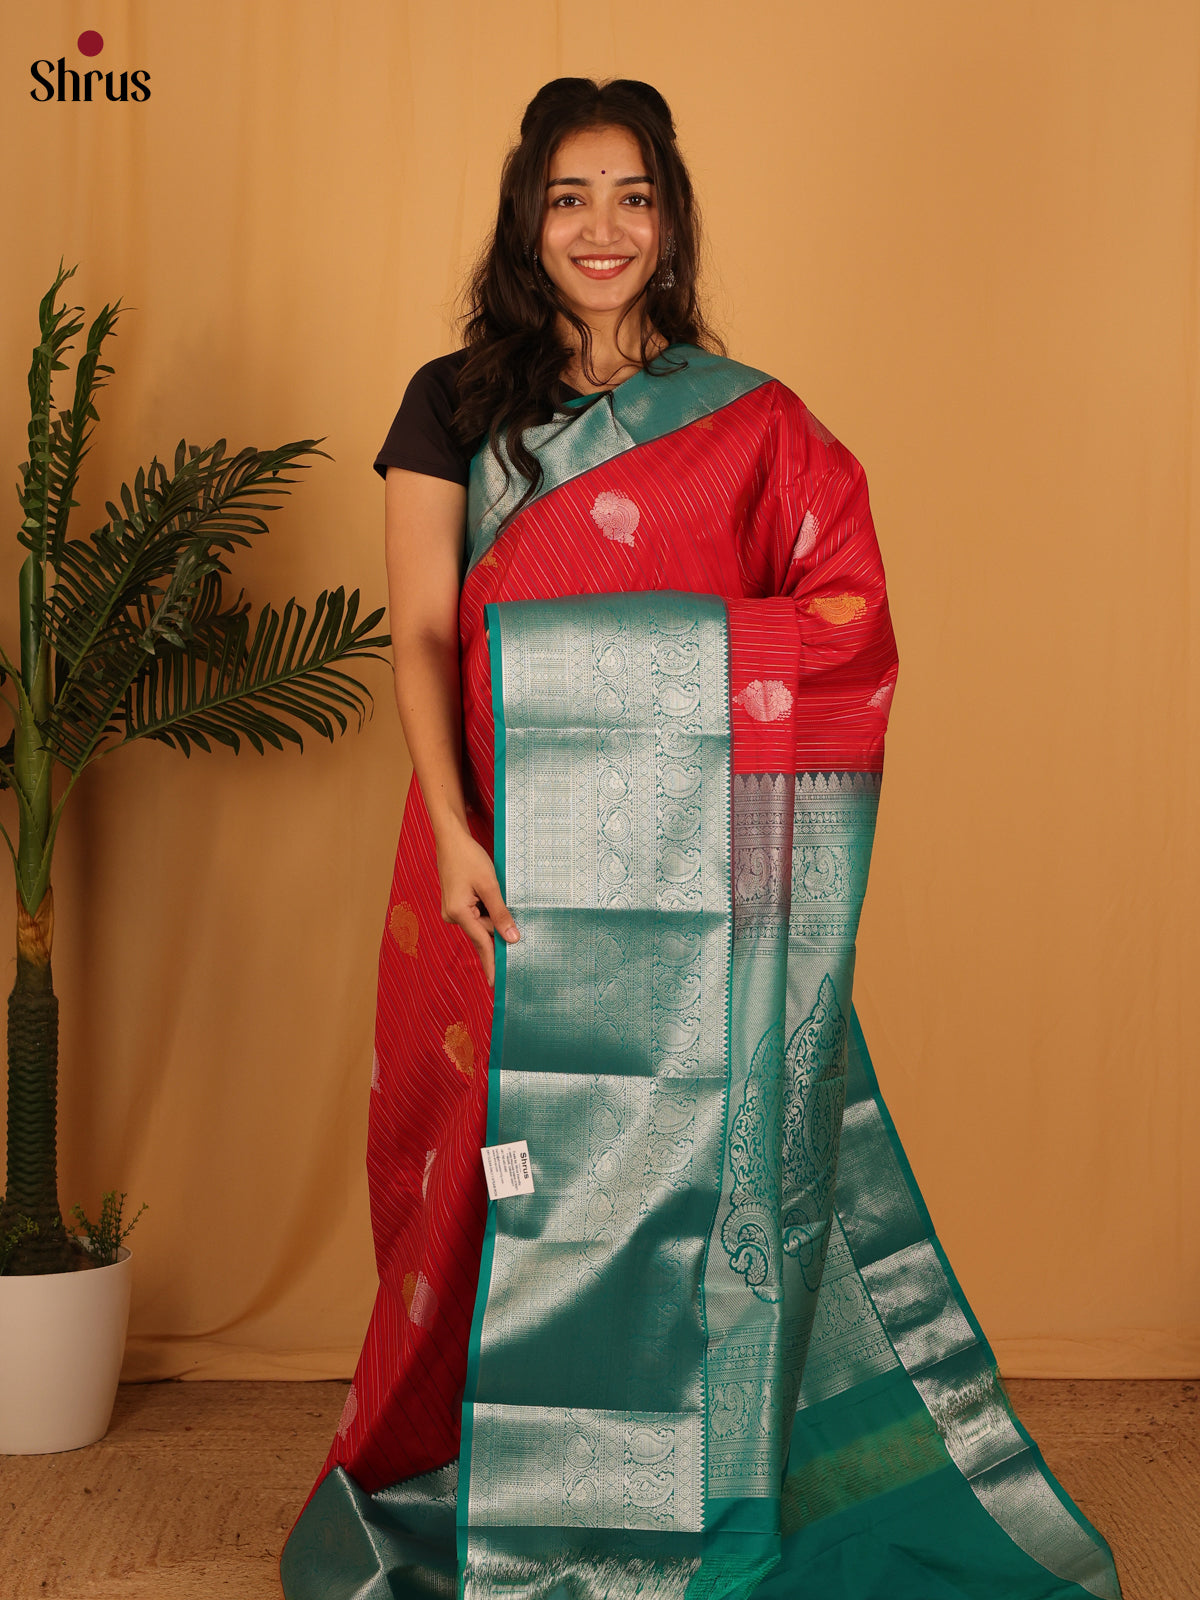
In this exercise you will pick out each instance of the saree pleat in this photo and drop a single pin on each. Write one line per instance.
(718, 1351)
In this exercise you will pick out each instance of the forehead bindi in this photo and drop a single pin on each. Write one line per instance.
(609, 154)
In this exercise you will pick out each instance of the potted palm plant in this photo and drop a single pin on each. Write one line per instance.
(127, 634)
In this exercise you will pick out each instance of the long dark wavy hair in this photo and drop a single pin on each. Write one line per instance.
(510, 329)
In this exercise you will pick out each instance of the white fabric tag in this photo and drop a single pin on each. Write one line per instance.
(507, 1169)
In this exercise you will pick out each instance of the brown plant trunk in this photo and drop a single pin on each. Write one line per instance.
(31, 1189)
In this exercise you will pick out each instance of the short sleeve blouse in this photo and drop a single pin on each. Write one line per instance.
(422, 436)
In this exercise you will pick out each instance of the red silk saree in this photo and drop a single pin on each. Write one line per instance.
(718, 1350)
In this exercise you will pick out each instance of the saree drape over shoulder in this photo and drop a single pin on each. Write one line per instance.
(719, 1350)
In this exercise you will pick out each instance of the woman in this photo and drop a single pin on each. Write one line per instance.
(647, 729)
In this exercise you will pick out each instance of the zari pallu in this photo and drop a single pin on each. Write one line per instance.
(718, 1351)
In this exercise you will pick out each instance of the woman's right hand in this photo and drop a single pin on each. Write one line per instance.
(471, 896)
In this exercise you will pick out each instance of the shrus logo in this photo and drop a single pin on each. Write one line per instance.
(52, 77)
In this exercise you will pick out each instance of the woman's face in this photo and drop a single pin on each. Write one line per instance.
(599, 242)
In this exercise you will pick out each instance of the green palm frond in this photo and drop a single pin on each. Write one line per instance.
(58, 442)
(262, 680)
(141, 583)
(167, 534)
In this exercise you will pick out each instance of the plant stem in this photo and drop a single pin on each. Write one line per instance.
(32, 1182)
(33, 765)
(32, 1179)
(31, 593)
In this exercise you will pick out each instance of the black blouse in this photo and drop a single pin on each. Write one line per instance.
(422, 437)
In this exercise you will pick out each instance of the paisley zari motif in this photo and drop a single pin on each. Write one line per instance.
(718, 1352)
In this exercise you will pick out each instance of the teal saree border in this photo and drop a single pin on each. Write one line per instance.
(495, 1055)
(601, 695)
(648, 406)
(1090, 1566)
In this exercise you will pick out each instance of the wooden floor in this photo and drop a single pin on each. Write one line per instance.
(192, 1492)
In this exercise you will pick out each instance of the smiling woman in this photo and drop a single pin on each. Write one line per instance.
(600, 244)
(644, 664)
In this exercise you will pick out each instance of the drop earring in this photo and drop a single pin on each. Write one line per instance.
(665, 277)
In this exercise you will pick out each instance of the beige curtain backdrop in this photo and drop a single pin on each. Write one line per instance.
(968, 236)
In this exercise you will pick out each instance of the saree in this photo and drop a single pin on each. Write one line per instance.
(717, 1350)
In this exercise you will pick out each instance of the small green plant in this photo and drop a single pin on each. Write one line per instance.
(23, 1228)
(105, 1238)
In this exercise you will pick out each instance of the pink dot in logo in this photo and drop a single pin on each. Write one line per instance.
(90, 43)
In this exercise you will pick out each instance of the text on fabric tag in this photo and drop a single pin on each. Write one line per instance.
(507, 1169)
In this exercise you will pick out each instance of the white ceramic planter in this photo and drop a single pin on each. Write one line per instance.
(62, 1339)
